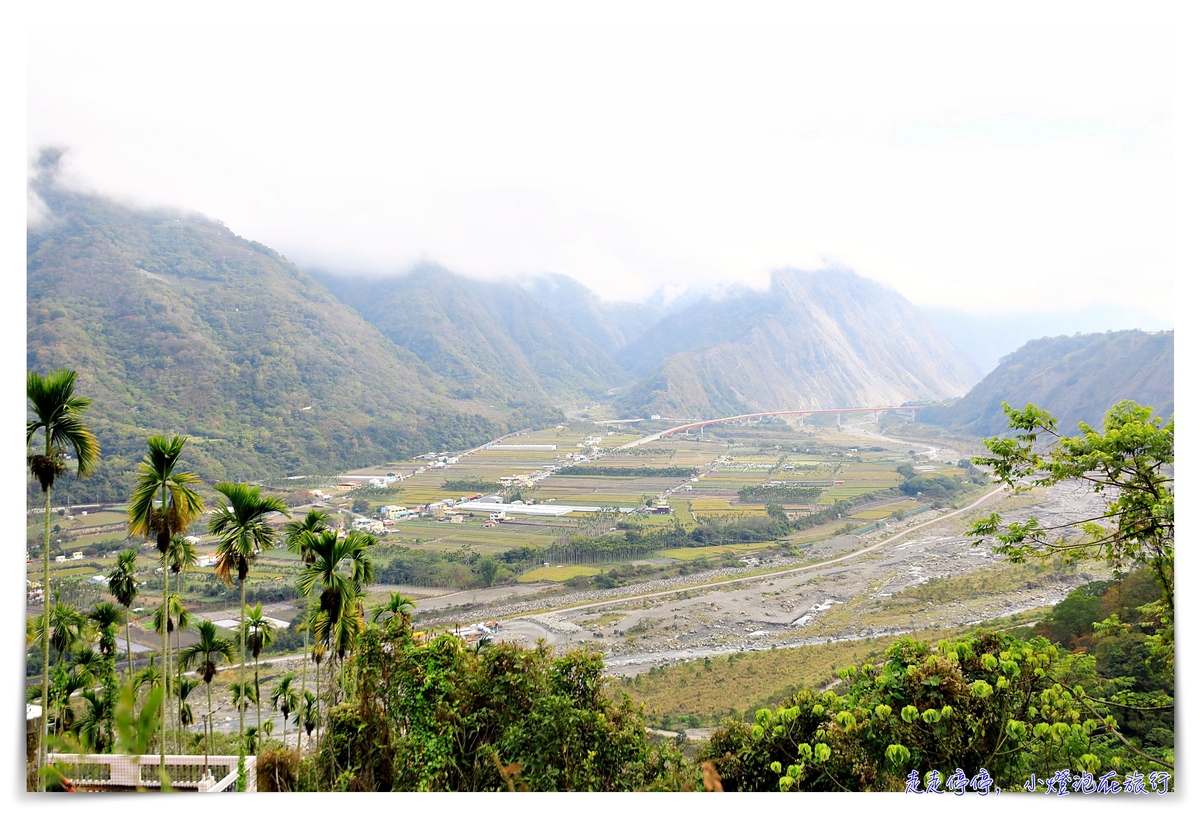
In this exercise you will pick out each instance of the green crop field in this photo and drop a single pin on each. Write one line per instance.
(882, 512)
(711, 551)
(558, 574)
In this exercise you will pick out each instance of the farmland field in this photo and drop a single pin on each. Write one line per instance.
(558, 573)
(884, 511)
(710, 551)
(737, 457)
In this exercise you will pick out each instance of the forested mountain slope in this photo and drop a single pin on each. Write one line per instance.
(609, 325)
(176, 325)
(488, 340)
(812, 340)
(1076, 378)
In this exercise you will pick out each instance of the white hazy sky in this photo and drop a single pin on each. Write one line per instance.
(984, 169)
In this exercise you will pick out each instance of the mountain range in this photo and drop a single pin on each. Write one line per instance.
(811, 340)
(177, 325)
(1074, 377)
(488, 340)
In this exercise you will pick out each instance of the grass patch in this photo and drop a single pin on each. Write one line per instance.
(735, 685)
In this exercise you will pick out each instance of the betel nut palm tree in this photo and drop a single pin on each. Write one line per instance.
(242, 532)
(398, 605)
(178, 619)
(286, 700)
(66, 627)
(296, 536)
(107, 618)
(57, 413)
(181, 556)
(258, 633)
(122, 584)
(205, 655)
(163, 505)
(186, 718)
(337, 620)
(306, 716)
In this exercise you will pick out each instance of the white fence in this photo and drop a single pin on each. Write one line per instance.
(188, 773)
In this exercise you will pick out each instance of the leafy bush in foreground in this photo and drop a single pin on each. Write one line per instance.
(442, 716)
(989, 701)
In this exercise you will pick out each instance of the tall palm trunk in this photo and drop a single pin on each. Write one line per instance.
(318, 739)
(303, 682)
(168, 682)
(128, 649)
(242, 674)
(42, 744)
(208, 732)
(178, 707)
(257, 698)
(166, 647)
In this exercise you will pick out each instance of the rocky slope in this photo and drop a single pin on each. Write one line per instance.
(812, 340)
(1076, 378)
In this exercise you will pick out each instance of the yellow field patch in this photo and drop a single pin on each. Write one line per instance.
(709, 551)
(880, 512)
(556, 574)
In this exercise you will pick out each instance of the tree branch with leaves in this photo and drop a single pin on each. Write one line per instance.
(1129, 462)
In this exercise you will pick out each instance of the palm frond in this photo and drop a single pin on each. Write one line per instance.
(241, 528)
(156, 475)
(122, 582)
(58, 413)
